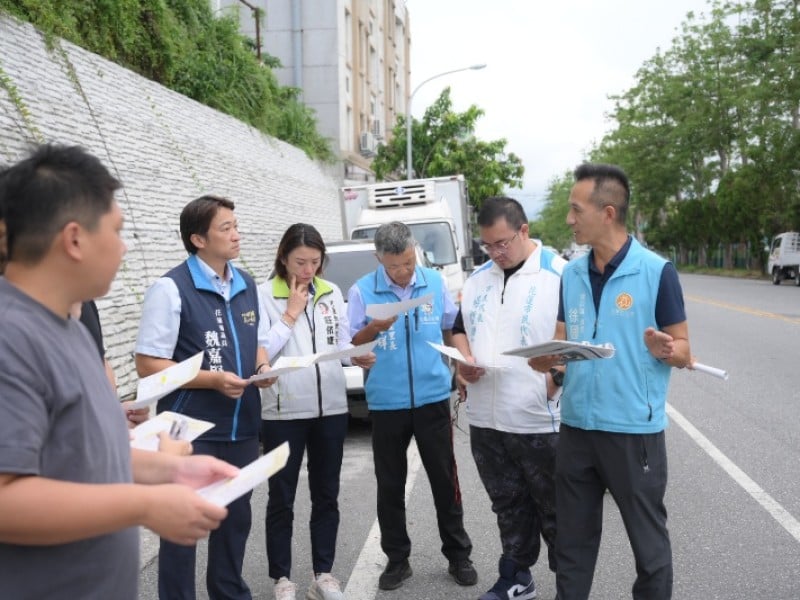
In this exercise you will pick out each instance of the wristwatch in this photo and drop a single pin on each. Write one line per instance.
(558, 376)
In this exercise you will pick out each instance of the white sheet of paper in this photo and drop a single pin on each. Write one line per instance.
(145, 435)
(709, 370)
(286, 364)
(360, 350)
(457, 356)
(257, 472)
(569, 351)
(154, 387)
(390, 309)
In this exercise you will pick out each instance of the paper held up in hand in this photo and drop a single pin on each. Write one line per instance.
(145, 435)
(257, 472)
(709, 370)
(287, 364)
(568, 351)
(458, 357)
(390, 309)
(154, 387)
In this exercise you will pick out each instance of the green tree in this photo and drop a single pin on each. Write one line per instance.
(183, 46)
(444, 143)
(551, 226)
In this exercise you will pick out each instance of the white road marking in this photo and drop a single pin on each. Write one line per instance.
(363, 581)
(776, 511)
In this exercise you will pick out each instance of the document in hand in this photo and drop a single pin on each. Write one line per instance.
(569, 351)
(287, 364)
(257, 472)
(145, 435)
(390, 309)
(458, 357)
(154, 387)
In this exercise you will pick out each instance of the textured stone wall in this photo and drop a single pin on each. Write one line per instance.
(167, 150)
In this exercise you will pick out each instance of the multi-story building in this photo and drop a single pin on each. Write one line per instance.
(349, 58)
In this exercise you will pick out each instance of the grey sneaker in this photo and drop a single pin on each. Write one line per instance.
(284, 589)
(325, 587)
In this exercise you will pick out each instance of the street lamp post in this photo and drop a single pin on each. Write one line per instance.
(408, 110)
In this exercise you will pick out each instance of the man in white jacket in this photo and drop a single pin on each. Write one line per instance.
(509, 302)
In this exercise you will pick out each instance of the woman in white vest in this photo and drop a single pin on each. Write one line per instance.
(307, 407)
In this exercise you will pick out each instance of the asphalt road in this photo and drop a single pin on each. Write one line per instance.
(733, 496)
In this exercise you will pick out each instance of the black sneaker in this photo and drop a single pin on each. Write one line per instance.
(463, 572)
(394, 574)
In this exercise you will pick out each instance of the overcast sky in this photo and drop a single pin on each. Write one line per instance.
(551, 64)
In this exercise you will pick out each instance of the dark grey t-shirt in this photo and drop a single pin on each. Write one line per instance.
(60, 419)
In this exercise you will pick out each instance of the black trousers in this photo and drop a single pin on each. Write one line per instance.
(633, 467)
(517, 471)
(226, 545)
(431, 427)
(323, 439)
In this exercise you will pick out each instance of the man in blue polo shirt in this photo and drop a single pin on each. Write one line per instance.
(206, 304)
(408, 394)
(613, 410)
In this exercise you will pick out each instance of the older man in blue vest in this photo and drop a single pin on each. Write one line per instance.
(408, 394)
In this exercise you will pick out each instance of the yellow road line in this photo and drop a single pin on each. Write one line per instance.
(743, 309)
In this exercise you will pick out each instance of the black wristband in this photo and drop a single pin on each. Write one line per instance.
(558, 376)
(258, 368)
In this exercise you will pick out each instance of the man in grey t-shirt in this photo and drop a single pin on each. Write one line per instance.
(69, 509)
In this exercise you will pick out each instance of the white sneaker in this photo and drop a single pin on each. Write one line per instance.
(325, 587)
(284, 589)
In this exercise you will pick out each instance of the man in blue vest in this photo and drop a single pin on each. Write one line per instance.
(408, 394)
(613, 410)
(206, 304)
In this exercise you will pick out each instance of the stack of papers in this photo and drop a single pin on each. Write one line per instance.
(226, 491)
(145, 435)
(154, 387)
(568, 351)
(287, 364)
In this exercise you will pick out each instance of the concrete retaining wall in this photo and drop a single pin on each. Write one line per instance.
(167, 150)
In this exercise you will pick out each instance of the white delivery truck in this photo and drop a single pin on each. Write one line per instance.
(784, 257)
(436, 210)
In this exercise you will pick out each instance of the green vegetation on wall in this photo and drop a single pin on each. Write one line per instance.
(183, 46)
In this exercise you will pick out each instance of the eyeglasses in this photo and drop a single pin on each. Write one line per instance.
(497, 247)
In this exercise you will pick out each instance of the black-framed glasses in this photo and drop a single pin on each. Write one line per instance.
(500, 247)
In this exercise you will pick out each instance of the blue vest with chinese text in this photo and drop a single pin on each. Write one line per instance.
(227, 334)
(626, 393)
(408, 372)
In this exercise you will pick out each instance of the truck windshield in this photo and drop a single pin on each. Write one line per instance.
(434, 238)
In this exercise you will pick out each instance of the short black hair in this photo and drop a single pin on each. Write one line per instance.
(611, 187)
(297, 235)
(504, 207)
(53, 186)
(196, 218)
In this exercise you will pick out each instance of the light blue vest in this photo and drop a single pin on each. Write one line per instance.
(626, 393)
(408, 372)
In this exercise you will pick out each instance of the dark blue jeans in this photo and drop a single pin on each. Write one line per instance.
(323, 439)
(226, 545)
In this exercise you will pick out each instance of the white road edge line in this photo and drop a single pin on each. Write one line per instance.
(776, 511)
(363, 581)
